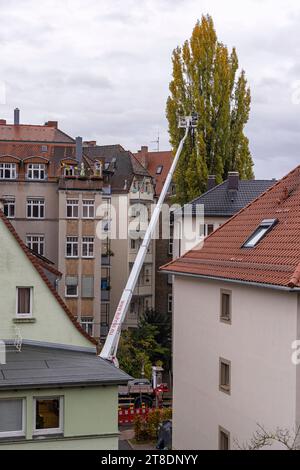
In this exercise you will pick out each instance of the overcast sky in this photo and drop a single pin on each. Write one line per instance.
(102, 68)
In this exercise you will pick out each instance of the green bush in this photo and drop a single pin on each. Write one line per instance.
(146, 427)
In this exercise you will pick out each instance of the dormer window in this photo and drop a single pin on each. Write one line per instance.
(8, 171)
(69, 170)
(36, 171)
(261, 231)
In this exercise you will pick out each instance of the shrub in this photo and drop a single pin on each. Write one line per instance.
(146, 427)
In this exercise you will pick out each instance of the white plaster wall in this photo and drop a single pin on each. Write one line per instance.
(258, 344)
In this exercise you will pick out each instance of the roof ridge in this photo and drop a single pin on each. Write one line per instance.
(37, 266)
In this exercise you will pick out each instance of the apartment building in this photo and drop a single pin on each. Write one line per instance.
(51, 192)
(158, 165)
(127, 184)
(236, 320)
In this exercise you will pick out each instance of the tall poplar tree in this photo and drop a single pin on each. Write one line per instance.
(206, 80)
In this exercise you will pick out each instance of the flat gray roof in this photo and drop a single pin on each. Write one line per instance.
(48, 367)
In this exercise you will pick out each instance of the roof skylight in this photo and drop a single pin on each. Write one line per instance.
(261, 231)
(159, 169)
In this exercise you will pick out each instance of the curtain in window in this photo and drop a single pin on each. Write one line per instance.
(24, 300)
(10, 415)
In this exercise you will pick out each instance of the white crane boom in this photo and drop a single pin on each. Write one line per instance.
(109, 350)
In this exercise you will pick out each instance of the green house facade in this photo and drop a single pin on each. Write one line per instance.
(55, 391)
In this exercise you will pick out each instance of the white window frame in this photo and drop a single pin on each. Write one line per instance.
(88, 206)
(72, 243)
(42, 432)
(40, 203)
(69, 170)
(11, 167)
(74, 296)
(21, 433)
(85, 323)
(73, 203)
(170, 303)
(24, 315)
(10, 201)
(36, 171)
(88, 242)
(40, 242)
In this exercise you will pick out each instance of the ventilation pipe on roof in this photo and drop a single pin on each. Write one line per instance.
(233, 180)
(211, 182)
(16, 117)
(79, 149)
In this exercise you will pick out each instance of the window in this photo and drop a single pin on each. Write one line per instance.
(87, 247)
(36, 171)
(71, 286)
(48, 415)
(87, 324)
(159, 169)
(72, 247)
(132, 244)
(36, 243)
(35, 208)
(87, 287)
(170, 247)
(209, 228)
(147, 276)
(44, 148)
(265, 226)
(12, 417)
(8, 171)
(224, 439)
(72, 208)
(24, 301)
(170, 279)
(88, 209)
(69, 170)
(224, 378)
(10, 207)
(170, 303)
(225, 314)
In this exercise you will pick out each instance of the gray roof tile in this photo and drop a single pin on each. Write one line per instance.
(48, 367)
(220, 201)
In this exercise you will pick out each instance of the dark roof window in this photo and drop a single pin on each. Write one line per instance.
(261, 231)
(159, 169)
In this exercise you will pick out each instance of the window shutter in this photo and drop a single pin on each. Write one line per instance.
(87, 287)
(10, 415)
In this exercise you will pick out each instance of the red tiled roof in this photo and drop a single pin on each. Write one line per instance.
(275, 260)
(33, 133)
(156, 159)
(37, 265)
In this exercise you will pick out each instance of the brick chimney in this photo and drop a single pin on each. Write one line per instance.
(16, 117)
(211, 182)
(51, 124)
(233, 180)
(145, 157)
(2, 122)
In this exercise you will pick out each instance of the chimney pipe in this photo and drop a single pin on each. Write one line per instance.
(211, 182)
(16, 117)
(233, 180)
(78, 154)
